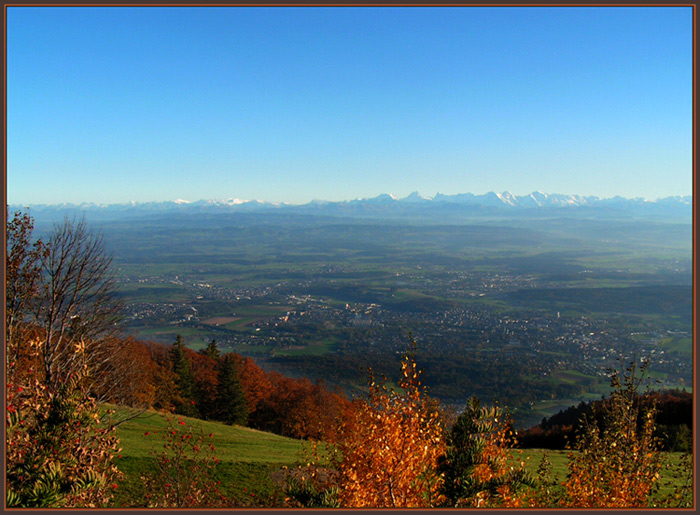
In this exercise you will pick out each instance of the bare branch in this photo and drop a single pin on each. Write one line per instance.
(79, 300)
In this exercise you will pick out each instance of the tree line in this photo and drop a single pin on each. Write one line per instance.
(673, 428)
(233, 389)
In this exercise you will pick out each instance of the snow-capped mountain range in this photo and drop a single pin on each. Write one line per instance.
(387, 205)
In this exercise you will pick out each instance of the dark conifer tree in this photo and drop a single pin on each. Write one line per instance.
(185, 405)
(211, 350)
(468, 449)
(232, 407)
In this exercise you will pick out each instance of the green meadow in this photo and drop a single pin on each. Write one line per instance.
(250, 460)
(252, 463)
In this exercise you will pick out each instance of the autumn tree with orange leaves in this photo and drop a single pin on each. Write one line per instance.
(60, 308)
(59, 454)
(618, 467)
(388, 451)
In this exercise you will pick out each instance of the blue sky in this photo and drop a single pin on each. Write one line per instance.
(117, 104)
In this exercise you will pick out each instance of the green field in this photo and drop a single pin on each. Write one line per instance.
(249, 459)
(235, 443)
(252, 462)
(247, 315)
(680, 345)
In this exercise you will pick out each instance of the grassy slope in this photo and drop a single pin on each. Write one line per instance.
(248, 457)
(233, 443)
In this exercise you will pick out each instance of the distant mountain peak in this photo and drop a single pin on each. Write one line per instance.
(234, 201)
(508, 198)
(385, 204)
(415, 197)
(383, 197)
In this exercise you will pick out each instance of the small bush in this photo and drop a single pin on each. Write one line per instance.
(184, 470)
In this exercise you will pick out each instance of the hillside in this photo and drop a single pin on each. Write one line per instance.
(251, 462)
(254, 464)
(236, 443)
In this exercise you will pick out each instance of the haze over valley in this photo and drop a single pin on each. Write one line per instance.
(528, 304)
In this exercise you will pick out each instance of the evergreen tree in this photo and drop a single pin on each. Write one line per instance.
(232, 406)
(475, 467)
(185, 405)
(211, 351)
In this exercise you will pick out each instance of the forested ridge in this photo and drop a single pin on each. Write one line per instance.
(673, 416)
(394, 447)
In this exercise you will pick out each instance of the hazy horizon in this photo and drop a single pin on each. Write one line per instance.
(117, 104)
(340, 200)
(236, 200)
